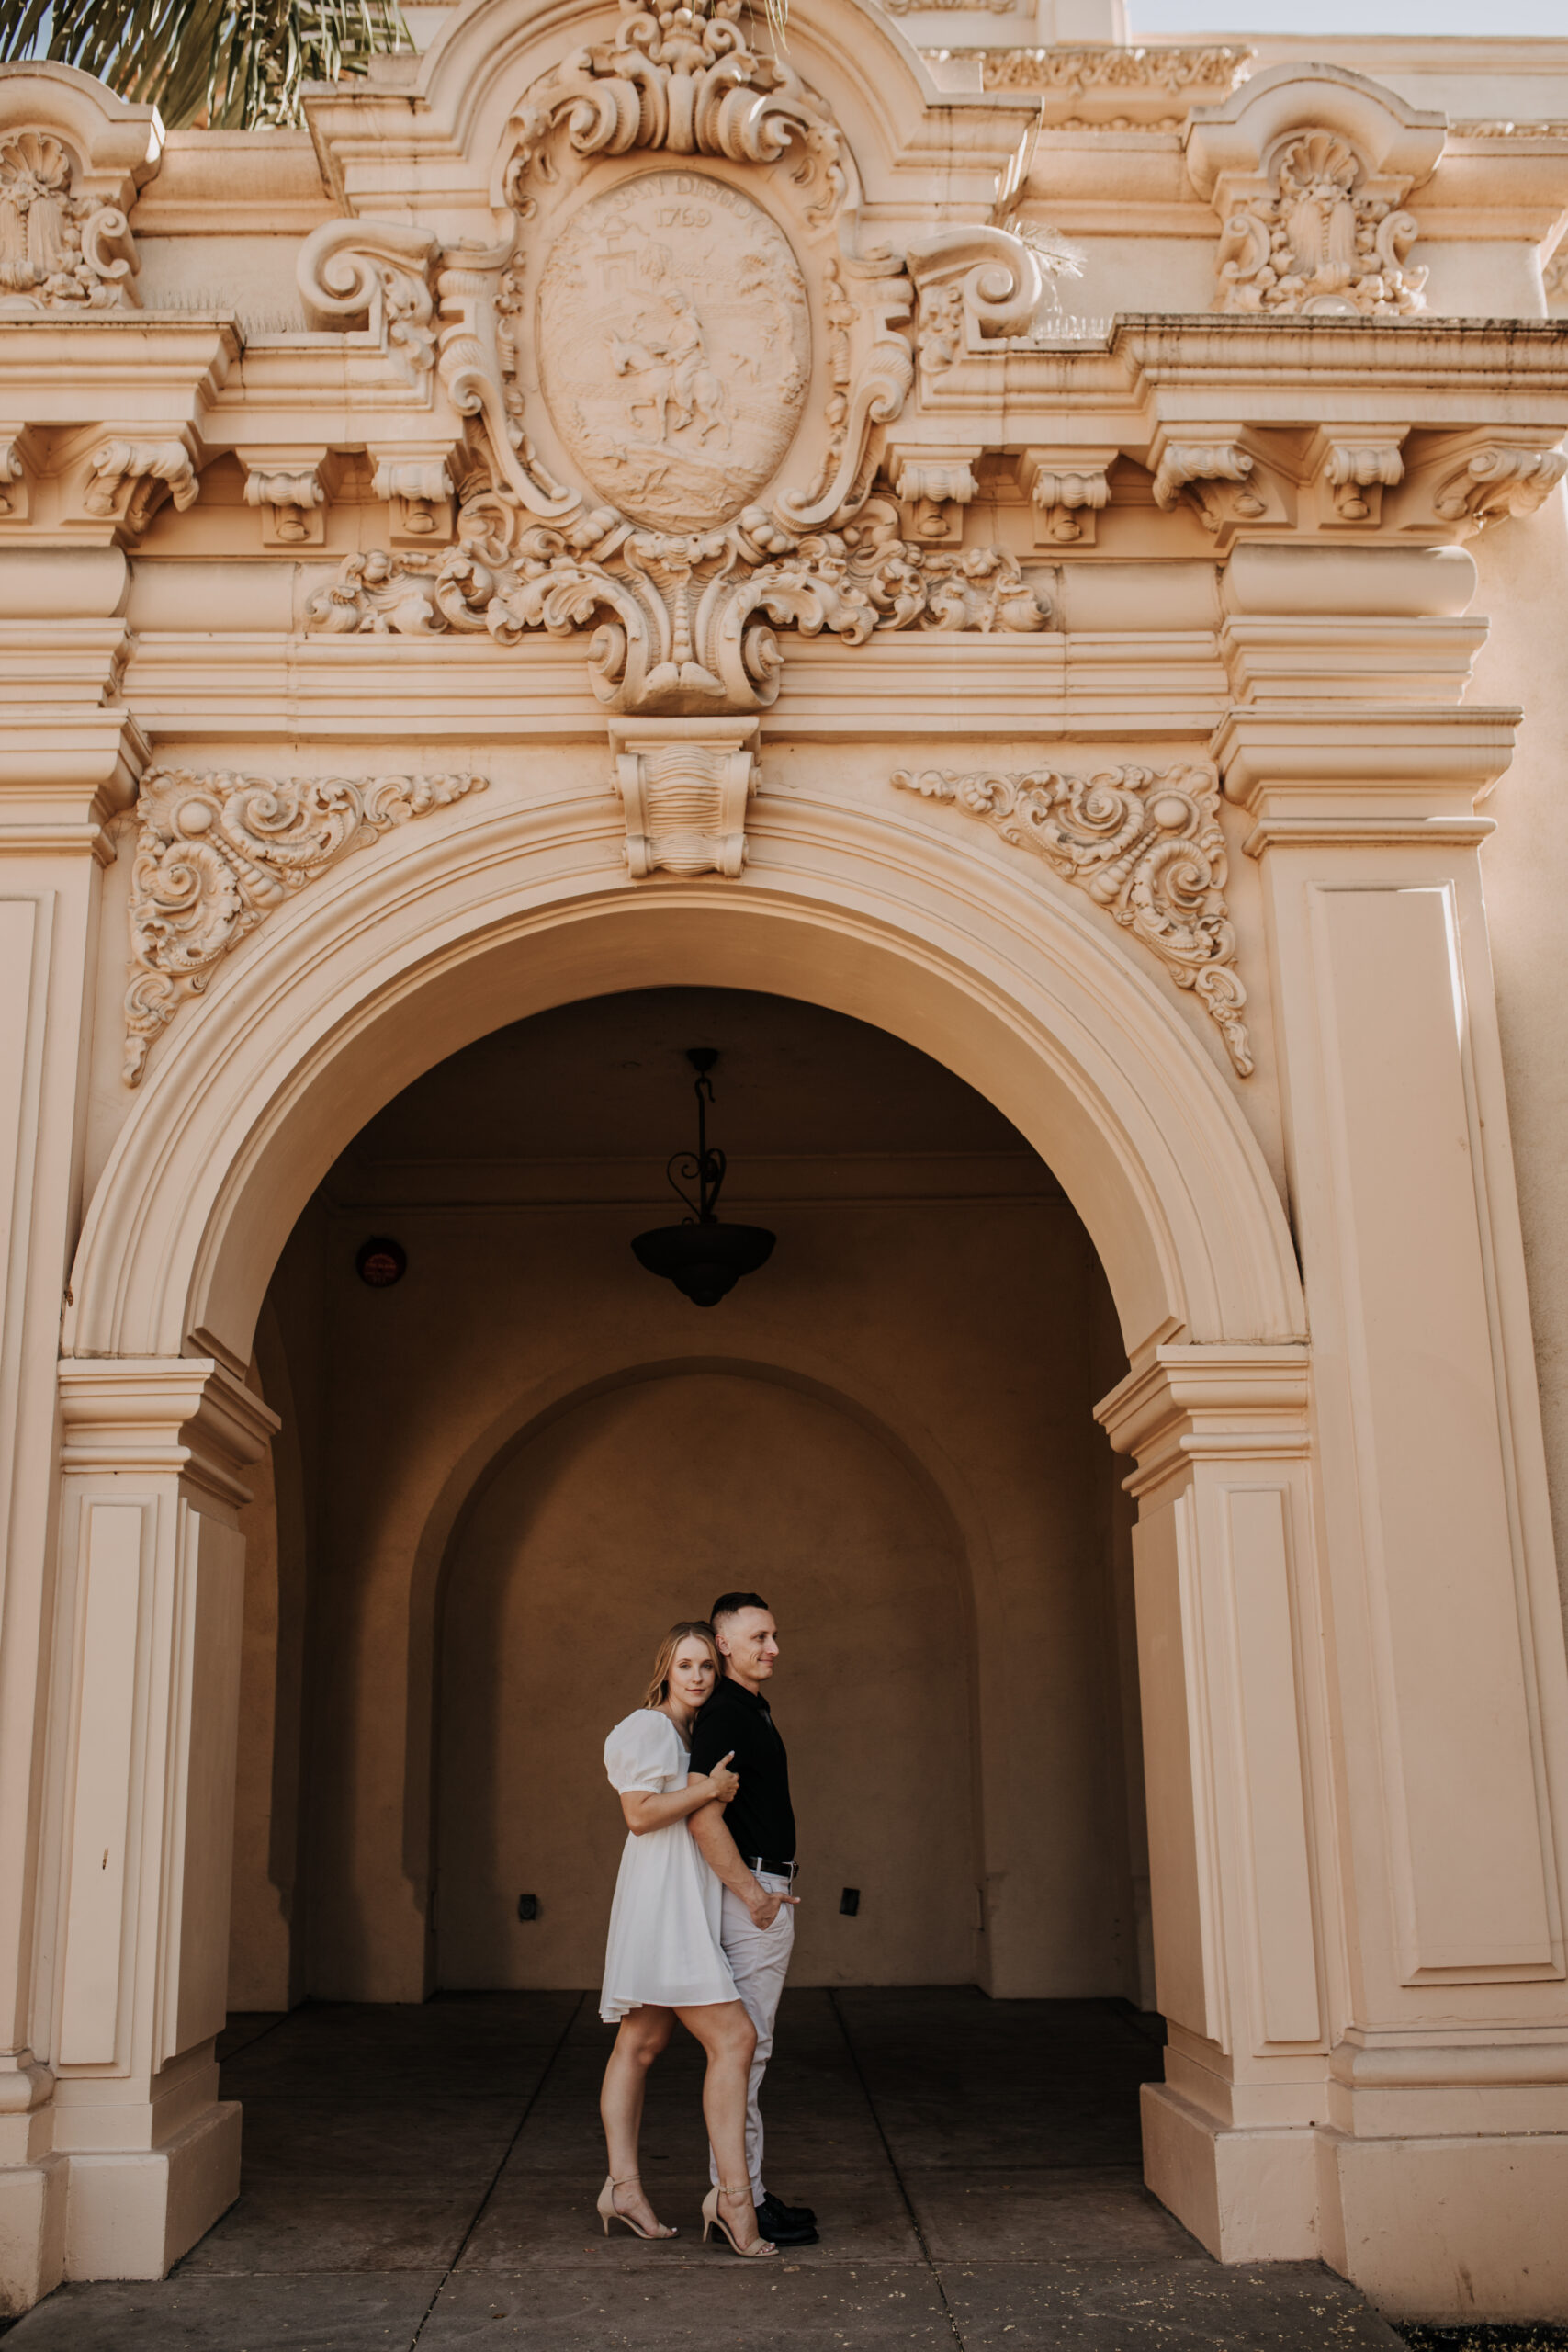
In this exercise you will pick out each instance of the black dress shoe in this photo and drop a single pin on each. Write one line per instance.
(787, 2225)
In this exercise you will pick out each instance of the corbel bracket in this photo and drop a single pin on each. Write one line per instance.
(289, 486)
(1068, 488)
(684, 784)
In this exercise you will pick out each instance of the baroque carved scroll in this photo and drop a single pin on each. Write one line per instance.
(216, 855)
(684, 622)
(1145, 843)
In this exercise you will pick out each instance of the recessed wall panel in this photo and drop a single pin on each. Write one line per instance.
(1429, 1440)
(111, 1563)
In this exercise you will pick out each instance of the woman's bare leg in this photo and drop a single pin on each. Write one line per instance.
(643, 2034)
(729, 2036)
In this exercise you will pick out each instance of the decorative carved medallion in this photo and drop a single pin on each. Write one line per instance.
(1145, 843)
(1321, 244)
(675, 347)
(58, 252)
(216, 853)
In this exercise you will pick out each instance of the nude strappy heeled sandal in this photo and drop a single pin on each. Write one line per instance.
(713, 2218)
(608, 2211)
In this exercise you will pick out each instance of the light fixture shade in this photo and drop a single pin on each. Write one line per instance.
(703, 1262)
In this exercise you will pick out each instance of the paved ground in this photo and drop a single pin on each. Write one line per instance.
(426, 2177)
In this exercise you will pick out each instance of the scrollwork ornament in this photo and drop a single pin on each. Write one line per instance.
(377, 270)
(1145, 843)
(683, 83)
(216, 855)
(681, 622)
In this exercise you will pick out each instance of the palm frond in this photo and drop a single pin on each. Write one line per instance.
(229, 65)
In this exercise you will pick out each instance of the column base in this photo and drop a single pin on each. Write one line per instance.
(1248, 2194)
(132, 2213)
(32, 2232)
(1438, 2227)
(1449, 2228)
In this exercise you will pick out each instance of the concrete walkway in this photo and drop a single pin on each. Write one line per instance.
(427, 2175)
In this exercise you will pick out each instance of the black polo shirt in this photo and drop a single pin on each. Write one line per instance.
(760, 1817)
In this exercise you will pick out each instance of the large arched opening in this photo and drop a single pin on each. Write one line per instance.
(1175, 1234)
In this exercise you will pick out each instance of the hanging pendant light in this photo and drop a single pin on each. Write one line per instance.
(703, 1259)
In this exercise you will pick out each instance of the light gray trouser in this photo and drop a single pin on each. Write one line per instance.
(758, 1962)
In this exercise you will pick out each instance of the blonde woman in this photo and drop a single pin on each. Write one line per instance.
(664, 1959)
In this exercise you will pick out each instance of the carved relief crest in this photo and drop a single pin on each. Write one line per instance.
(1323, 243)
(58, 251)
(674, 347)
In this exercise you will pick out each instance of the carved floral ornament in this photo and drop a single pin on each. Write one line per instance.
(216, 855)
(58, 251)
(687, 621)
(1322, 242)
(1146, 845)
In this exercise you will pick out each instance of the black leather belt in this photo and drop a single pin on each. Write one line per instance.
(765, 1869)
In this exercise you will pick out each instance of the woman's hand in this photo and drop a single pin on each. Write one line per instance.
(721, 1782)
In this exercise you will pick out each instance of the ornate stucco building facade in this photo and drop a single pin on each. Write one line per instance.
(1050, 550)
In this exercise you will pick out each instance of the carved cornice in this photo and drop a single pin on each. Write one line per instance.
(683, 623)
(1145, 843)
(1129, 78)
(216, 855)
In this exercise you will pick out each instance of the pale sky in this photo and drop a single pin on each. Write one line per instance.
(1500, 17)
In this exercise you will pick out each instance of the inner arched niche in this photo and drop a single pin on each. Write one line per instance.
(626, 1513)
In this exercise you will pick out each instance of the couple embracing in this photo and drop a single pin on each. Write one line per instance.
(703, 1921)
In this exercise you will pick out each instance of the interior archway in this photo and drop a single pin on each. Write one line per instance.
(529, 1455)
(629, 1509)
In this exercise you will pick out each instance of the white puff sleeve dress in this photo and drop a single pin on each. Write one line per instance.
(663, 1946)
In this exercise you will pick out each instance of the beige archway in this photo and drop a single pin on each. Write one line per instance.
(430, 940)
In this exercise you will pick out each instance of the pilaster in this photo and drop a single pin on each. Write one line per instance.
(70, 753)
(1449, 1687)
(1240, 1809)
(143, 1713)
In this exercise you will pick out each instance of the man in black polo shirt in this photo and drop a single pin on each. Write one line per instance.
(749, 1847)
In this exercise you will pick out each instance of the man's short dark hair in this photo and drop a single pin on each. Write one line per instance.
(730, 1604)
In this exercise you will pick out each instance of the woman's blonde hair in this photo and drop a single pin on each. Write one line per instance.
(658, 1690)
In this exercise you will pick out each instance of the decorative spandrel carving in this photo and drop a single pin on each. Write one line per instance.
(1146, 845)
(216, 855)
(674, 347)
(686, 622)
(1322, 243)
(687, 84)
(58, 251)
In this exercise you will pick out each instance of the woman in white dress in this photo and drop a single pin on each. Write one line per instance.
(664, 1959)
